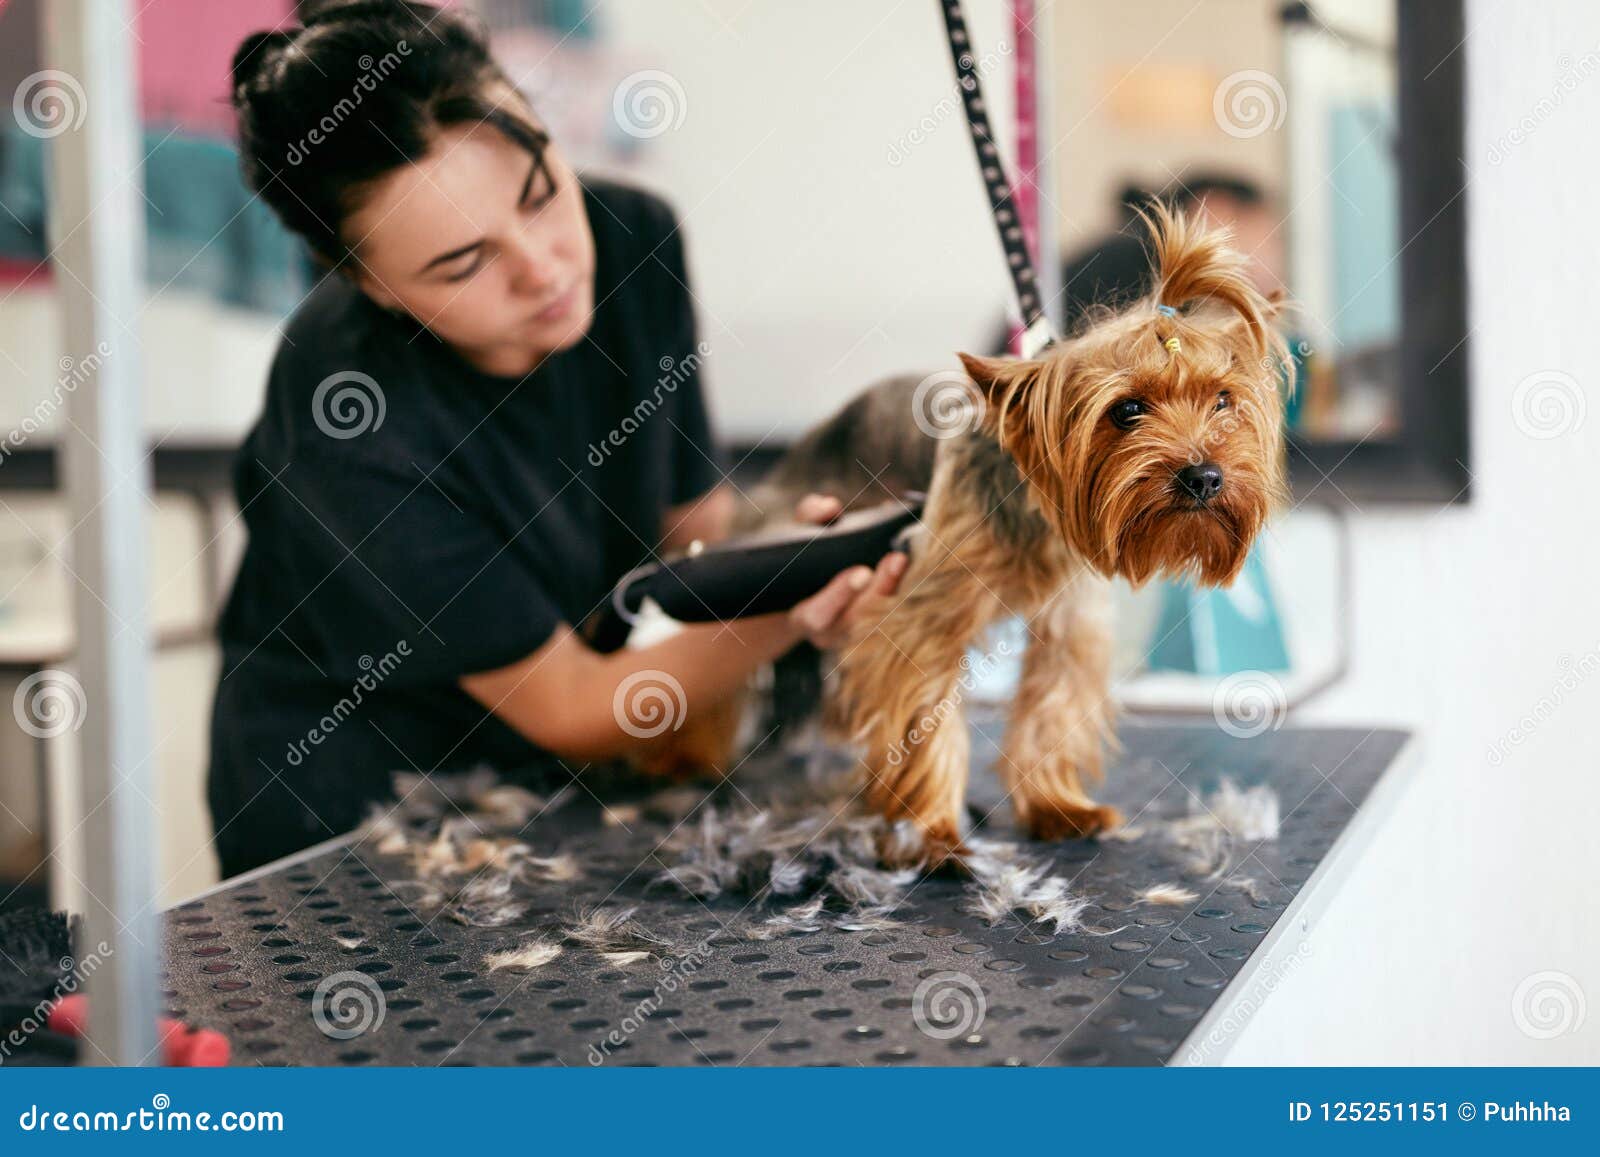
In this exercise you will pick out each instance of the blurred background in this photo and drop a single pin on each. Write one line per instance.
(1376, 158)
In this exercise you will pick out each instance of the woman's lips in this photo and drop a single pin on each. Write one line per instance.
(559, 308)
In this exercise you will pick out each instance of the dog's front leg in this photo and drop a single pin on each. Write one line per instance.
(1063, 715)
(898, 697)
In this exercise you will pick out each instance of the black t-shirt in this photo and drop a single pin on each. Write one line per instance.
(412, 520)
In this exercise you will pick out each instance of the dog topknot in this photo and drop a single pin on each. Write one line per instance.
(1198, 269)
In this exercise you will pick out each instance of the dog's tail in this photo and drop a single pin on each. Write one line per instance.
(1198, 268)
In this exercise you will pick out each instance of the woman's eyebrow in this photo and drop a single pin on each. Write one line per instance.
(444, 258)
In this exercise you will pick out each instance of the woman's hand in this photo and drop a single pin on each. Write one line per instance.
(828, 618)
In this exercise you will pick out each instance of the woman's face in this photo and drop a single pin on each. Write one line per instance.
(489, 249)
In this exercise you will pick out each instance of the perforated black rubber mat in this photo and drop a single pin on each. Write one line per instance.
(1131, 989)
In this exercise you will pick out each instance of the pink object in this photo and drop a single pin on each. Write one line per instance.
(208, 1049)
(1025, 186)
(185, 48)
(180, 1048)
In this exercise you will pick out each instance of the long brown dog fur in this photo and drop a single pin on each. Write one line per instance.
(1032, 506)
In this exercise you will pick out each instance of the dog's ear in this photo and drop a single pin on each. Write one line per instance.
(1009, 393)
(987, 373)
(998, 377)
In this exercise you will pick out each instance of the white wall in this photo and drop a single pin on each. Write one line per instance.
(818, 265)
(1466, 619)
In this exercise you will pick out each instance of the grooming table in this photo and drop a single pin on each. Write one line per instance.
(1141, 985)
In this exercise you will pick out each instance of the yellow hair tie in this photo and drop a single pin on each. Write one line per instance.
(1173, 344)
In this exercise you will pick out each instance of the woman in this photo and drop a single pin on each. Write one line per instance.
(485, 414)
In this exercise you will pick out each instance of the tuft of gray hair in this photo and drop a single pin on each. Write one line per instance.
(1210, 834)
(612, 930)
(1005, 883)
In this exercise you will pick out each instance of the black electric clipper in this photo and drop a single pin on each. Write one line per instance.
(764, 572)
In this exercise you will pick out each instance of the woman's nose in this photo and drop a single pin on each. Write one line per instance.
(534, 265)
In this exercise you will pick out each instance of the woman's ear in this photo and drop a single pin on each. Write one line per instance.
(380, 294)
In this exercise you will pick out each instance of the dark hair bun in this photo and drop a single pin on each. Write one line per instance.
(256, 53)
(360, 90)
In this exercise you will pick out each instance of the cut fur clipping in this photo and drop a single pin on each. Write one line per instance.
(808, 860)
(1005, 884)
(1171, 894)
(612, 934)
(613, 930)
(813, 853)
(1250, 814)
(1213, 831)
(524, 958)
(621, 815)
(816, 857)
(443, 826)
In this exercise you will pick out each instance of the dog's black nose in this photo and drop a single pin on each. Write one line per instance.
(1201, 482)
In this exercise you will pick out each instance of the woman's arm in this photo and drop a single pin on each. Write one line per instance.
(707, 518)
(561, 696)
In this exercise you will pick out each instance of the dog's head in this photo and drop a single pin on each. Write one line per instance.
(1154, 438)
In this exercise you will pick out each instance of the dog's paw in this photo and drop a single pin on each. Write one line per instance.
(939, 850)
(1067, 821)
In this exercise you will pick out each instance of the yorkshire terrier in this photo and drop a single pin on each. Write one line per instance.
(1149, 443)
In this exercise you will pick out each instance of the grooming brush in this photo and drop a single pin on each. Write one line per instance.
(39, 944)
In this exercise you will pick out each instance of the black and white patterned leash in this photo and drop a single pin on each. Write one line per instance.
(1037, 331)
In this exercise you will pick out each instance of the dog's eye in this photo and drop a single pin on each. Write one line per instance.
(1126, 412)
(1224, 400)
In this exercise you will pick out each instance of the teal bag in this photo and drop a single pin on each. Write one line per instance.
(1220, 631)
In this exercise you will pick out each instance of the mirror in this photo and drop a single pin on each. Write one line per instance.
(1285, 121)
